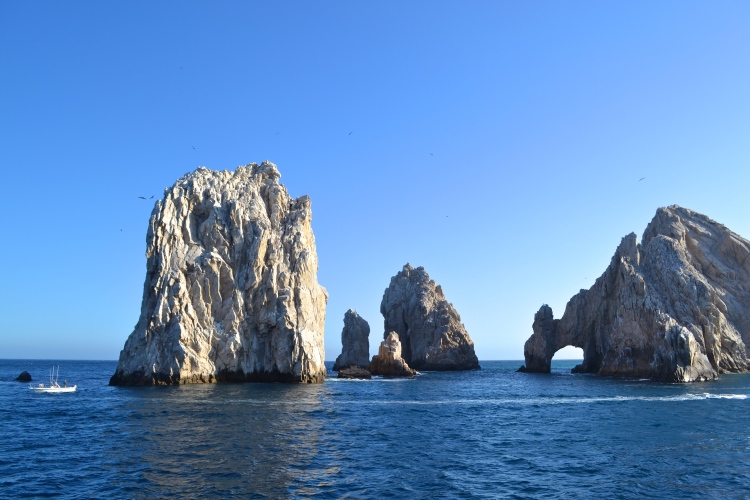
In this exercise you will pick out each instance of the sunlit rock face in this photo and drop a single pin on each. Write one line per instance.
(430, 329)
(355, 342)
(231, 290)
(675, 307)
(388, 361)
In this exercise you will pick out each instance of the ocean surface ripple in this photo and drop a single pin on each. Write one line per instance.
(484, 434)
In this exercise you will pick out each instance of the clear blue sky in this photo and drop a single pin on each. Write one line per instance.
(498, 144)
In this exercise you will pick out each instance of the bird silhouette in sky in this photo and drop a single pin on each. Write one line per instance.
(639, 180)
(432, 154)
(142, 197)
(350, 133)
(152, 197)
(193, 147)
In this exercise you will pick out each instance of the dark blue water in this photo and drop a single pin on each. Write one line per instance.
(485, 434)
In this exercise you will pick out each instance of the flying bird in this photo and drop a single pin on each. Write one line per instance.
(432, 154)
(350, 133)
(141, 197)
(639, 180)
(193, 147)
(152, 197)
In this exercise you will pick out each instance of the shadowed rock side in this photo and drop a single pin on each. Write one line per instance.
(388, 361)
(355, 342)
(231, 292)
(674, 308)
(433, 337)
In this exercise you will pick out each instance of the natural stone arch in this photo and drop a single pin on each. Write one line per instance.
(548, 338)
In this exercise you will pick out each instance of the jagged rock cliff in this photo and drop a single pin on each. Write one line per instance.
(388, 361)
(355, 342)
(430, 329)
(675, 307)
(231, 292)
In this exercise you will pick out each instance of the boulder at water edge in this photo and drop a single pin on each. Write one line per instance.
(388, 361)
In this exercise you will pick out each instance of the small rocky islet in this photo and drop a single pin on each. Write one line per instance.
(231, 294)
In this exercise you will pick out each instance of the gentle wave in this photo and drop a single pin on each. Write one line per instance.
(474, 401)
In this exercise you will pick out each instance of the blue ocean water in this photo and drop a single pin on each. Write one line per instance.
(492, 433)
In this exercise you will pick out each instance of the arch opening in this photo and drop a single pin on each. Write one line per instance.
(568, 353)
(565, 360)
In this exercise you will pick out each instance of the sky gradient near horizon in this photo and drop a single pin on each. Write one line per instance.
(501, 145)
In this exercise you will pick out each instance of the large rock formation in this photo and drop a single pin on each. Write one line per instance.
(675, 307)
(231, 292)
(388, 361)
(432, 334)
(355, 342)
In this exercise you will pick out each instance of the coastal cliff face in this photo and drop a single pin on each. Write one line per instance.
(231, 291)
(355, 342)
(430, 329)
(675, 307)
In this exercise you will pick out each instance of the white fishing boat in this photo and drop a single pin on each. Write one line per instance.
(53, 386)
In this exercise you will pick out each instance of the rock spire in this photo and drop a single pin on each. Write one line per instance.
(355, 341)
(675, 307)
(231, 290)
(430, 329)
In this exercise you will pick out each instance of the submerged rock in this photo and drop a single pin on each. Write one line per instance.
(231, 292)
(24, 377)
(388, 361)
(355, 342)
(675, 307)
(432, 334)
(354, 372)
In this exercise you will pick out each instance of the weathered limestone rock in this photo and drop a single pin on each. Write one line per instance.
(24, 377)
(433, 336)
(354, 372)
(388, 361)
(355, 342)
(674, 308)
(231, 292)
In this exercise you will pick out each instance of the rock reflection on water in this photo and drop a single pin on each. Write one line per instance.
(220, 440)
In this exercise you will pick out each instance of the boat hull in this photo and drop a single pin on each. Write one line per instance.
(53, 390)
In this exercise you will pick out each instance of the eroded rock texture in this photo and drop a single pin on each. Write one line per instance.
(431, 331)
(388, 362)
(675, 307)
(231, 291)
(355, 342)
